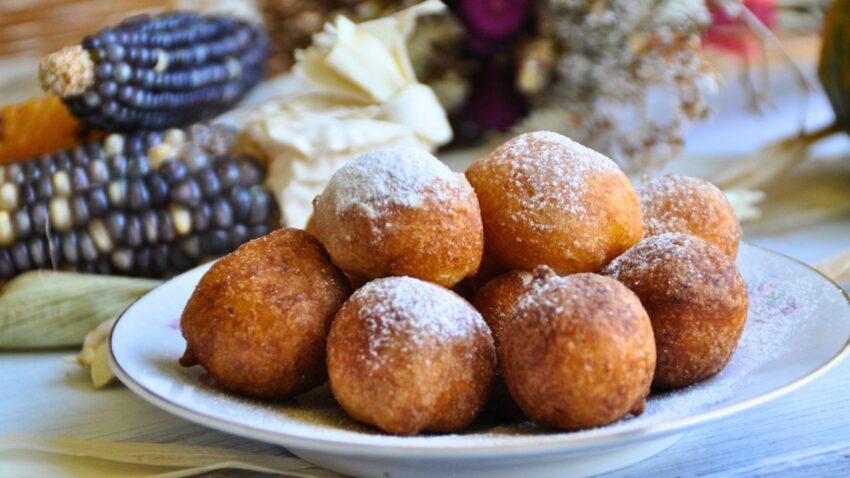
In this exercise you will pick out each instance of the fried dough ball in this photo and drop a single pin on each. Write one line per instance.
(400, 211)
(692, 206)
(577, 351)
(259, 318)
(495, 301)
(407, 356)
(546, 199)
(696, 299)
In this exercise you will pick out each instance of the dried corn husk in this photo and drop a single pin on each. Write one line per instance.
(95, 354)
(32, 455)
(352, 91)
(55, 309)
(837, 267)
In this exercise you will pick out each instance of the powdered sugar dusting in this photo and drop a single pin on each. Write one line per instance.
(396, 176)
(551, 171)
(414, 313)
(668, 249)
(673, 203)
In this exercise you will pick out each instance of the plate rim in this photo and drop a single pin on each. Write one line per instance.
(339, 447)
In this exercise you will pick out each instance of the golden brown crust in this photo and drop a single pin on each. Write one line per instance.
(495, 301)
(578, 351)
(547, 200)
(696, 299)
(692, 206)
(435, 236)
(259, 318)
(407, 356)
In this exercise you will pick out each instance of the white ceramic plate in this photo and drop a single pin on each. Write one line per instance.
(798, 326)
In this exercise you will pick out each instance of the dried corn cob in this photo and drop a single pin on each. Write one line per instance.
(145, 204)
(156, 72)
(38, 126)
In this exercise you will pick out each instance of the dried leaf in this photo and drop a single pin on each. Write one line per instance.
(837, 267)
(54, 309)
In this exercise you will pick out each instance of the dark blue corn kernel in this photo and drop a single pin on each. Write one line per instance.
(22, 222)
(26, 194)
(228, 173)
(91, 42)
(201, 217)
(240, 199)
(159, 259)
(44, 188)
(81, 157)
(115, 52)
(173, 171)
(85, 268)
(98, 202)
(39, 216)
(79, 210)
(250, 172)
(20, 256)
(7, 266)
(222, 214)
(258, 230)
(261, 205)
(33, 172)
(103, 266)
(191, 246)
(98, 172)
(47, 164)
(138, 166)
(117, 165)
(238, 235)
(157, 188)
(116, 224)
(38, 251)
(104, 71)
(134, 235)
(86, 247)
(187, 193)
(215, 242)
(166, 230)
(142, 261)
(79, 179)
(150, 227)
(152, 139)
(91, 99)
(70, 247)
(178, 260)
(210, 185)
(108, 89)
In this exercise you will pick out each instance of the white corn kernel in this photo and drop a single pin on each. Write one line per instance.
(7, 232)
(159, 153)
(182, 219)
(175, 137)
(114, 144)
(60, 214)
(100, 236)
(8, 196)
(62, 183)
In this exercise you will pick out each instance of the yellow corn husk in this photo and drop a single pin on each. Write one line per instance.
(41, 309)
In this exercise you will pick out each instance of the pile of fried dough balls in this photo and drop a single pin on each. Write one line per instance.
(584, 293)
